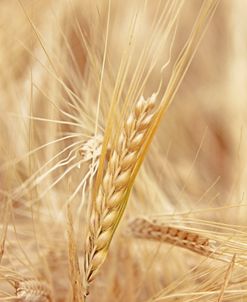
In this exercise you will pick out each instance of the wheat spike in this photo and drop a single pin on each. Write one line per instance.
(143, 228)
(33, 291)
(108, 206)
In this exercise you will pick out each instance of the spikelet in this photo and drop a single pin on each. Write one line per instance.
(143, 228)
(33, 291)
(109, 203)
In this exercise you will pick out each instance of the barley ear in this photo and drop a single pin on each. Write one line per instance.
(150, 230)
(111, 198)
(33, 290)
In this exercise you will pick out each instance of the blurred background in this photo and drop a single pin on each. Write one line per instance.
(209, 109)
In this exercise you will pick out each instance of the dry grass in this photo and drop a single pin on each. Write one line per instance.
(227, 279)
(75, 274)
(112, 110)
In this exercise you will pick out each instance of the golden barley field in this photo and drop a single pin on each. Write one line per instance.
(123, 150)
